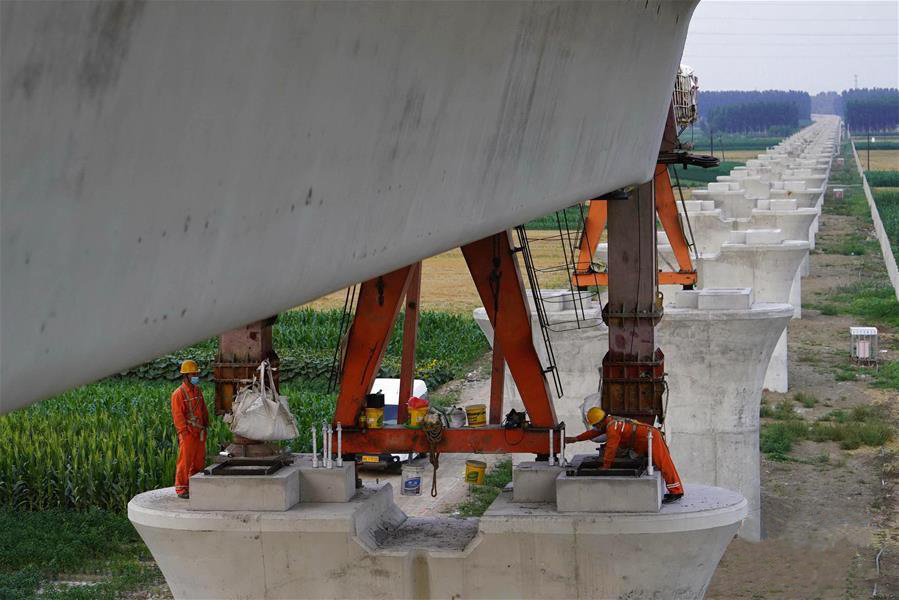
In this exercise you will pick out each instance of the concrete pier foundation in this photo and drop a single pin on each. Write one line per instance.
(369, 548)
(718, 344)
(717, 361)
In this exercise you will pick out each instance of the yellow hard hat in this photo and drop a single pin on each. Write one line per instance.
(595, 415)
(189, 366)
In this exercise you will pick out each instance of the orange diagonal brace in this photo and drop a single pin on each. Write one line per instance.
(666, 208)
(379, 303)
(595, 223)
(496, 275)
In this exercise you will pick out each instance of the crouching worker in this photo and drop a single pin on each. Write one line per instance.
(632, 435)
(191, 419)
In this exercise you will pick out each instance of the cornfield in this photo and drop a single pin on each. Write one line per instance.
(305, 341)
(103, 443)
(99, 445)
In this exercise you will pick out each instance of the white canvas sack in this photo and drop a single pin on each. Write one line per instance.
(259, 413)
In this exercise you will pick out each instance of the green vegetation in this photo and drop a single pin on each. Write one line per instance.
(862, 426)
(882, 178)
(481, 496)
(101, 444)
(41, 548)
(887, 201)
(783, 411)
(733, 141)
(305, 341)
(852, 244)
(699, 177)
(572, 218)
(872, 301)
(805, 399)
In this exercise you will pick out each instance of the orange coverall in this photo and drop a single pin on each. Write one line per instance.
(191, 419)
(628, 433)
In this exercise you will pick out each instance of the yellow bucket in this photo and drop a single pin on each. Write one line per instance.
(474, 471)
(374, 417)
(416, 415)
(477, 415)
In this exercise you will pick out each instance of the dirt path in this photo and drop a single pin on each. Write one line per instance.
(827, 513)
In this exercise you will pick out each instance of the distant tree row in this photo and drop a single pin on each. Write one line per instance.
(867, 109)
(752, 111)
(871, 110)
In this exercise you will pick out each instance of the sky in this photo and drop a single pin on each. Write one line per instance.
(811, 45)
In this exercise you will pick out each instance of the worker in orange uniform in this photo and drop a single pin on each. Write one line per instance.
(633, 435)
(191, 420)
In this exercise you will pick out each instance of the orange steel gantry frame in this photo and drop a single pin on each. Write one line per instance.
(666, 209)
(494, 269)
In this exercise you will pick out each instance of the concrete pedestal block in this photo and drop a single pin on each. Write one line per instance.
(723, 299)
(276, 492)
(534, 481)
(609, 494)
(337, 484)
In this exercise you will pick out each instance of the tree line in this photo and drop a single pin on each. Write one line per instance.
(865, 109)
(740, 111)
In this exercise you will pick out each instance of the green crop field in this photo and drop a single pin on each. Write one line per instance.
(99, 445)
(887, 200)
(305, 341)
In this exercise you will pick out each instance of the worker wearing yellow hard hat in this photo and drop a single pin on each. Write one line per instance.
(191, 419)
(633, 435)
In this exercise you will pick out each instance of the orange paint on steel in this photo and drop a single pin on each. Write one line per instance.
(497, 380)
(666, 209)
(491, 439)
(665, 278)
(494, 269)
(410, 333)
(378, 305)
(595, 223)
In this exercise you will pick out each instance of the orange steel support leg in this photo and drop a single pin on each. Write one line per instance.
(379, 303)
(497, 380)
(666, 208)
(410, 333)
(596, 222)
(496, 275)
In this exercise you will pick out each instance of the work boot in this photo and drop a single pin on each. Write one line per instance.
(184, 496)
(669, 498)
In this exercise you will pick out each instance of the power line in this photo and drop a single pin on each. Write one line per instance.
(791, 34)
(788, 19)
(797, 44)
(785, 56)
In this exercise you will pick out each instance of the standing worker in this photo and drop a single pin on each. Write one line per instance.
(633, 435)
(191, 420)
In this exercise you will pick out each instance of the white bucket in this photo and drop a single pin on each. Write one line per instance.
(457, 418)
(411, 480)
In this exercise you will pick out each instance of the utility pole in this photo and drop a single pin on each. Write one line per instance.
(869, 149)
(711, 141)
(856, 81)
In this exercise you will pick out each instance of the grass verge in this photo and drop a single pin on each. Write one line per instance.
(862, 426)
(872, 301)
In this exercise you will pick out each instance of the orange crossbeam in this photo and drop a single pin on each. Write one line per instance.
(665, 278)
(467, 440)
(666, 209)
